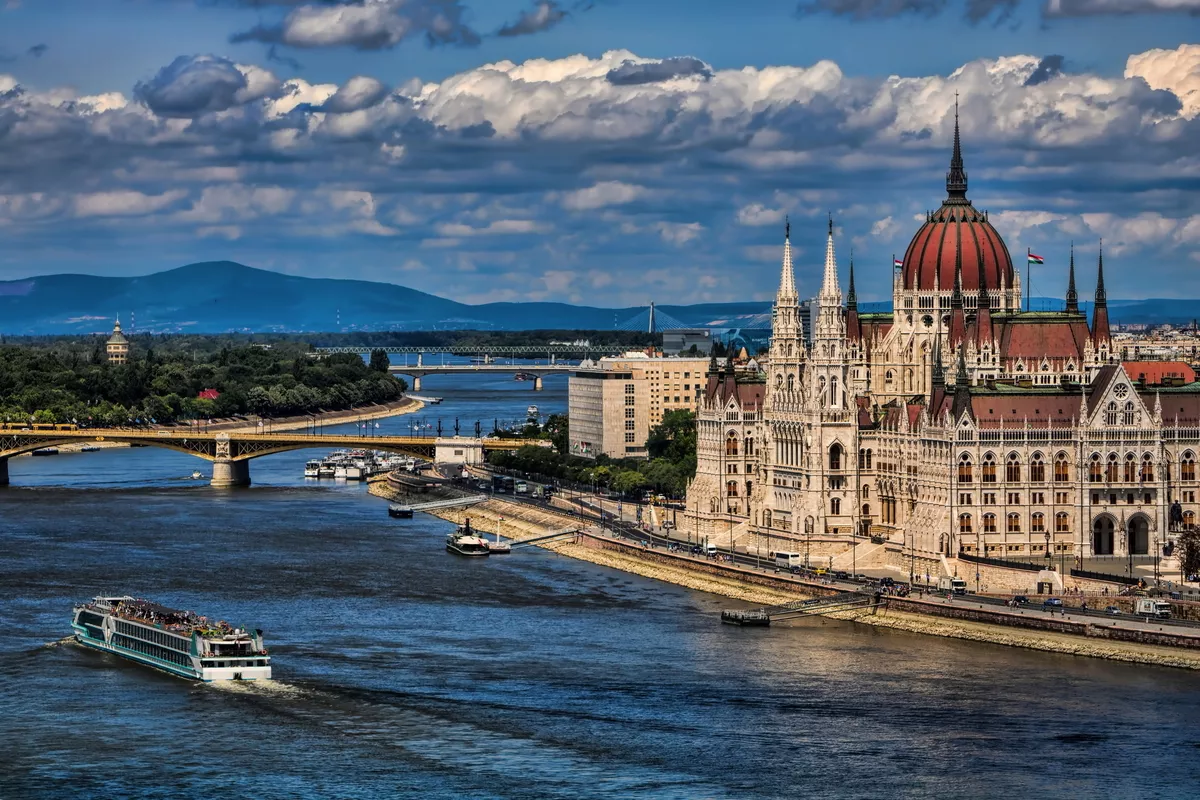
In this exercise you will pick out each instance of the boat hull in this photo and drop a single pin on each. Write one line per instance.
(458, 551)
(204, 674)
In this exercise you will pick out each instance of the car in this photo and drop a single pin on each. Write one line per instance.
(887, 581)
(1020, 600)
(1112, 611)
(1052, 602)
(841, 575)
(821, 571)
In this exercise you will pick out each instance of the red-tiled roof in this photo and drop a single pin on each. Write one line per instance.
(930, 257)
(1041, 409)
(1035, 339)
(1154, 372)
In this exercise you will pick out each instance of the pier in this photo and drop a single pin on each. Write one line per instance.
(762, 617)
(435, 505)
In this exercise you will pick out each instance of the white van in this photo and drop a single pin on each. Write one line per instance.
(710, 549)
(788, 560)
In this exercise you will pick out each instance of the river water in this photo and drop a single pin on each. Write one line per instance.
(405, 672)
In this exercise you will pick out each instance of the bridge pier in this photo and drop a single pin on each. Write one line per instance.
(227, 474)
(537, 383)
(416, 383)
(3, 472)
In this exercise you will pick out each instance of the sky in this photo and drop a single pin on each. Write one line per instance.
(602, 152)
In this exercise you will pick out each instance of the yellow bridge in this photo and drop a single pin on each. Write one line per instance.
(231, 452)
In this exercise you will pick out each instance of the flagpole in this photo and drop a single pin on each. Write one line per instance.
(1027, 252)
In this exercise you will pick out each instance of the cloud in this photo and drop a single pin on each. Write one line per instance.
(1047, 68)
(756, 214)
(1085, 8)
(872, 9)
(367, 25)
(678, 233)
(193, 85)
(355, 94)
(601, 195)
(544, 15)
(123, 203)
(1176, 71)
(632, 73)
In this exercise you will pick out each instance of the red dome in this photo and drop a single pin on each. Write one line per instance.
(929, 260)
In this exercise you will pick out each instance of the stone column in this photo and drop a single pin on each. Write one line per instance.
(3, 472)
(537, 383)
(228, 474)
(416, 383)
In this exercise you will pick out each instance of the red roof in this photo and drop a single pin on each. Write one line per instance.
(208, 394)
(1034, 340)
(930, 257)
(1154, 373)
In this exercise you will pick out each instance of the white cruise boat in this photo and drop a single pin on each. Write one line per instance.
(179, 642)
(464, 542)
(312, 469)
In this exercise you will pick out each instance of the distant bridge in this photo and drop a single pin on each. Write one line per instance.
(230, 453)
(538, 371)
(510, 351)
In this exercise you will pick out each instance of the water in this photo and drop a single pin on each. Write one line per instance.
(405, 672)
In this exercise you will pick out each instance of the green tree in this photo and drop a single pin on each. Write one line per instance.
(628, 482)
(675, 440)
(380, 361)
(1189, 552)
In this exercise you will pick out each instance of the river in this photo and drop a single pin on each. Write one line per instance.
(402, 671)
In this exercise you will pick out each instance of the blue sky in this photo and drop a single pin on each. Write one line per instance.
(600, 152)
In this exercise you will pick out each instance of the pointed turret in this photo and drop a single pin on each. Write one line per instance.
(938, 379)
(830, 290)
(956, 178)
(958, 320)
(983, 313)
(787, 275)
(1072, 296)
(1100, 309)
(853, 328)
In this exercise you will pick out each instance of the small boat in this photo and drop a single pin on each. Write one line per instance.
(326, 470)
(89, 448)
(312, 469)
(464, 542)
(532, 411)
(46, 451)
(196, 475)
(339, 472)
(400, 512)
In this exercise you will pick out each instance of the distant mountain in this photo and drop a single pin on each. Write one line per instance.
(221, 296)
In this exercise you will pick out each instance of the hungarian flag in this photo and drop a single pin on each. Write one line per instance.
(1036, 259)
(897, 262)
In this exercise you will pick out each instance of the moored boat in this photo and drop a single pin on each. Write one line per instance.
(46, 451)
(181, 643)
(312, 469)
(464, 542)
(400, 512)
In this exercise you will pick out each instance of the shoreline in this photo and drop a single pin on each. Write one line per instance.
(406, 405)
(521, 521)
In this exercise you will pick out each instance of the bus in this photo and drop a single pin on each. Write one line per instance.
(788, 560)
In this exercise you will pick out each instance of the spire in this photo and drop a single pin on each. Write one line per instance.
(961, 379)
(1072, 296)
(956, 178)
(787, 275)
(1100, 308)
(958, 322)
(852, 297)
(853, 328)
(829, 284)
(939, 375)
(983, 312)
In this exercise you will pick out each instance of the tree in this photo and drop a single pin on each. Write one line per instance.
(675, 440)
(628, 482)
(380, 361)
(1189, 552)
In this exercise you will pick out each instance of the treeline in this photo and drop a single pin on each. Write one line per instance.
(672, 463)
(67, 385)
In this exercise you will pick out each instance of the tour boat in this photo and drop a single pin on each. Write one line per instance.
(197, 475)
(464, 542)
(89, 448)
(326, 470)
(400, 512)
(181, 643)
(312, 469)
(46, 451)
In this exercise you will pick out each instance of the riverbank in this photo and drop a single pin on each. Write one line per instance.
(518, 521)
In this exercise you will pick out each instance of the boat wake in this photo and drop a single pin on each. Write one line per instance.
(263, 688)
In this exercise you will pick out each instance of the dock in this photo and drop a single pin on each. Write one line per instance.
(763, 617)
(433, 505)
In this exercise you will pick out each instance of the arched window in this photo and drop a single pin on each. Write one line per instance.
(791, 383)
(1037, 469)
(1095, 469)
(833, 391)
(1187, 467)
(1014, 523)
(1062, 471)
(989, 523)
(1037, 522)
(749, 445)
(835, 506)
(731, 489)
(779, 380)
(1147, 471)
(1127, 416)
(1189, 519)
(989, 468)
(866, 509)
(888, 378)
(1110, 469)
(868, 458)
(866, 492)
(964, 468)
(1012, 469)
(731, 444)
(1110, 414)
(1130, 468)
(835, 456)
(964, 523)
(1062, 522)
